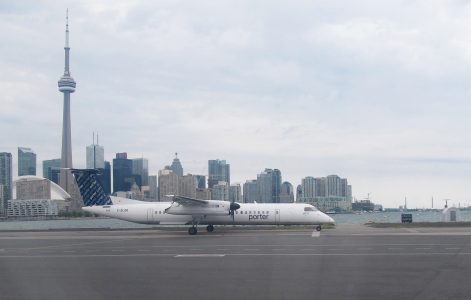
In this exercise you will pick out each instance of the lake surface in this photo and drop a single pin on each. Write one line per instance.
(381, 217)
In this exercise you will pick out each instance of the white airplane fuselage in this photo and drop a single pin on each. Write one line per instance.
(248, 213)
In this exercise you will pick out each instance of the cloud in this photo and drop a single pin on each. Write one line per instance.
(376, 92)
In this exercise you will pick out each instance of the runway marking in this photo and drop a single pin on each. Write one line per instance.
(143, 250)
(199, 255)
(251, 249)
(452, 248)
(117, 250)
(335, 249)
(316, 234)
(69, 251)
(237, 254)
(222, 249)
(395, 248)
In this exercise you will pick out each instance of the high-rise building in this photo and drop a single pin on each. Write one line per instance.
(67, 86)
(153, 190)
(176, 166)
(26, 161)
(6, 181)
(218, 170)
(235, 192)
(122, 173)
(200, 181)
(308, 185)
(287, 193)
(269, 186)
(251, 191)
(168, 184)
(326, 193)
(220, 191)
(51, 169)
(140, 169)
(105, 177)
(187, 186)
(95, 157)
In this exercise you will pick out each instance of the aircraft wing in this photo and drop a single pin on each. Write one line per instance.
(190, 202)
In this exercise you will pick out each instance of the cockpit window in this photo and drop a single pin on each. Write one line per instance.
(309, 208)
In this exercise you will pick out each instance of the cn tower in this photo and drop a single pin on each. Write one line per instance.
(66, 86)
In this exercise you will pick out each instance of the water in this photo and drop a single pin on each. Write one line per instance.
(381, 217)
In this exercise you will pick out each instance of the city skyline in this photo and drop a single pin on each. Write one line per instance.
(394, 122)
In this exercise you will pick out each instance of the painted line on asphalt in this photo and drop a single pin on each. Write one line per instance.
(199, 255)
(239, 254)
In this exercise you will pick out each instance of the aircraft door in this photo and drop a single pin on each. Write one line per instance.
(150, 214)
(277, 216)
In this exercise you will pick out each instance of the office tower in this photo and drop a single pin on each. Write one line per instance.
(200, 181)
(321, 186)
(251, 191)
(203, 194)
(122, 173)
(26, 161)
(95, 156)
(269, 184)
(51, 169)
(220, 191)
(153, 190)
(218, 170)
(140, 169)
(235, 193)
(105, 177)
(187, 186)
(168, 184)
(287, 193)
(66, 86)
(330, 193)
(176, 166)
(6, 179)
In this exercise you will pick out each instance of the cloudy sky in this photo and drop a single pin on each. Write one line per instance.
(375, 91)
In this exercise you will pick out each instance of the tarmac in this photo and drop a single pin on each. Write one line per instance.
(347, 262)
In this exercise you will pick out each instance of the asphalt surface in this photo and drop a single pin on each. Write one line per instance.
(349, 262)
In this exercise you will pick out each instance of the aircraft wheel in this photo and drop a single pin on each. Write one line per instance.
(210, 228)
(319, 228)
(192, 230)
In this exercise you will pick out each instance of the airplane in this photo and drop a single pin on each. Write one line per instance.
(189, 211)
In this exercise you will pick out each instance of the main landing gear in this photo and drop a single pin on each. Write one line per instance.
(319, 228)
(192, 230)
(210, 228)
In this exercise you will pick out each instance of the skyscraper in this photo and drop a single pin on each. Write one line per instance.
(235, 192)
(95, 157)
(51, 169)
(105, 177)
(269, 186)
(168, 184)
(218, 170)
(251, 191)
(26, 161)
(66, 86)
(6, 179)
(287, 193)
(176, 166)
(140, 170)
(122, 173)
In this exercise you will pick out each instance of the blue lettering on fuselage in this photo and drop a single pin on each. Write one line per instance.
(258, 217)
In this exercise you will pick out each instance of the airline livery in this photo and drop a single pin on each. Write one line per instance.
(194, 212)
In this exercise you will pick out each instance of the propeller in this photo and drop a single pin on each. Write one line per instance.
(232, 208)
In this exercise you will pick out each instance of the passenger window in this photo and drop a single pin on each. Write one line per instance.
(258, 212)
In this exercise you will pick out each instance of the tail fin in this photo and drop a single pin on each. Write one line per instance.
(90, 187)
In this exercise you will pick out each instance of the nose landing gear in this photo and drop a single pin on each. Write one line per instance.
(319, 228)
(210, 228)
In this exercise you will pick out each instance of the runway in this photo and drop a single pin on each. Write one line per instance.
(349, 262)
